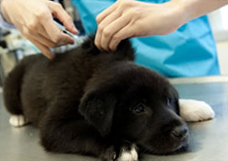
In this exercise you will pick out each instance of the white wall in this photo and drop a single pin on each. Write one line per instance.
(219, 24)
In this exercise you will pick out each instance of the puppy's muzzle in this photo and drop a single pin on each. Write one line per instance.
(179, 132)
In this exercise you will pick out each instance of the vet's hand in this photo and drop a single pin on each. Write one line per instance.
(129, 18)
(34, 19)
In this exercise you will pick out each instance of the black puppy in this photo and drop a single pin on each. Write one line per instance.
(96, 103)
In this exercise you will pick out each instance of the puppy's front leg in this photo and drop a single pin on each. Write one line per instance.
(64, 130)
(128, 152)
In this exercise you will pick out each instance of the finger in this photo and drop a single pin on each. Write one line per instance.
(110, 18)
(111, 29)
(44, 49)
(54, 33)
(106, 12)
(65, 39)
(103, 35)
(126, 32)
(34, 28)
(62, 15)
(100, 19)
(101, 28)
(41, 31)
(33, 34)
(97, 40)
(62, 40)
(43, 40)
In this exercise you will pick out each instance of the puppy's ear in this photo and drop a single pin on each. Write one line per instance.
(98, 108)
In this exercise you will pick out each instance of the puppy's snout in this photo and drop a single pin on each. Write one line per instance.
(180, 132)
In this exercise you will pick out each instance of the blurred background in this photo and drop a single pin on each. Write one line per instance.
(219, 24)
(13, 47)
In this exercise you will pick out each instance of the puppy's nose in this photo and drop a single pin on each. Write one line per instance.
(180, 132)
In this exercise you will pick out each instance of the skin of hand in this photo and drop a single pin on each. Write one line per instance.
(34, 19)
(130, 18)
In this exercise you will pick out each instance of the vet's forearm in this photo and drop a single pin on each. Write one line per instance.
(195, 8)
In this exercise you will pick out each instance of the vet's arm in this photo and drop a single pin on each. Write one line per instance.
(195, 8)
(130, 18)
(34, 19)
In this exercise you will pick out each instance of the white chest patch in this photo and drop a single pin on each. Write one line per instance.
(193, 110)
(126, 155)
(18, 120)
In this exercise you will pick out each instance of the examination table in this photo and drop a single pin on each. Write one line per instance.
(208, 140)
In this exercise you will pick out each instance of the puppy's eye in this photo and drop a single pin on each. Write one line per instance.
(139, 108)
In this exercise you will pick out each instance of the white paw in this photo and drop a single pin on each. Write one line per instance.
(193, 110)
(128, 155)
(17, 120)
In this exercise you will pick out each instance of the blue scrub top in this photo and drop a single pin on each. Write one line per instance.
(190, 51)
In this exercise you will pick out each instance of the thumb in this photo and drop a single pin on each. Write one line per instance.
(58, 12)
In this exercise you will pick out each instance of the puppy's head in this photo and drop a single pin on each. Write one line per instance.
(129, 102)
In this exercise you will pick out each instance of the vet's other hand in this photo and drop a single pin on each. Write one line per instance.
(130, 18)
(34, 19)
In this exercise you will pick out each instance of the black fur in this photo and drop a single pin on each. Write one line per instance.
(96, 103)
